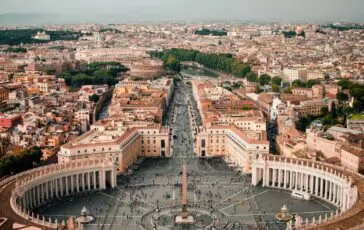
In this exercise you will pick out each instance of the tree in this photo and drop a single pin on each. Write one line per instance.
(259, 90)
(275, 88)
(276, 80)
(264, 79)
(172, 63)
(236, 85)
(324, 110)
(19, 163)
(252, 77)
(342, 96)
(344, 83)
(94, 97)
(298, 83)
(287, 90)
(312, 82)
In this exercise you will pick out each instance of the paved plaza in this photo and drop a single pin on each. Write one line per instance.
(150, 193)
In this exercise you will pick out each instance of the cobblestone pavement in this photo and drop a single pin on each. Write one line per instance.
(155, 183)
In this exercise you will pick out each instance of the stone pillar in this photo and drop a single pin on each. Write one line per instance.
(113, 178)
(322, 188)
(334, 193)
(285, 178)
(52, 188)
(72, 184)
(312, 184)
(78, 182)
(88, 181)
(296, 182)
(47, 190)
(61, 183)
(307, 180)
(327, 190)
(344, 200)
(67, 186)
(339, 195)
(83, 181)
(331, 194)
(279, 178)
(56, 190)
(274, 177)
(100, 176)
(41, 186)
(302, 182)
(254, 176)
(316, 185)
(32, 197)
(290, 180)
(38, 195)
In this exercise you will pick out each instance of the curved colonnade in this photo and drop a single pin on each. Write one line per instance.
(335, 185)
(41, 185)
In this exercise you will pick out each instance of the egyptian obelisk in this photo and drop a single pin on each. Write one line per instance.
(184, 218)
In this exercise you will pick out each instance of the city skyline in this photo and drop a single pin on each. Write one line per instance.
(111, 11)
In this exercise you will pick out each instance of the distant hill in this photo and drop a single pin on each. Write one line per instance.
(33, 18)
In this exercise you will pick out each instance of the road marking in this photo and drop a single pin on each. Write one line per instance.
(245, 199)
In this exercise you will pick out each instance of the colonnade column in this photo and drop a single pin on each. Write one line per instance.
(291, 180)
(88, 181)
(56, 190)
(285, 178)
(95, 184)
(322, 188)
(317, 185)
(274, 172)
(279, 178)
(67, 186)
(83, 181)
(38, 195)
(61, 182)
(78, 182)
(254, 176)
(72, 184)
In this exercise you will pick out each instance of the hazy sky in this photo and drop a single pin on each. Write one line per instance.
(154, 10)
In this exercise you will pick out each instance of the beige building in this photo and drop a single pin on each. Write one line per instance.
(292, 74)
(123, 146)
(235, 146)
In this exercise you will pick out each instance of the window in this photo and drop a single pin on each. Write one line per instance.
(142, 141)
(203, 143)
(163, 143)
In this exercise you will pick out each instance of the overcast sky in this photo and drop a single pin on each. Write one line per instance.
(156, 10)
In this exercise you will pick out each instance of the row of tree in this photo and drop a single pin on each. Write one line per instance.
(220, 62)
(291, 34)
(205, 31)
(16, 37)
(18, 163)
(15, 50)
(97, 73)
